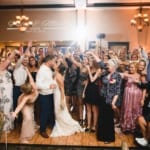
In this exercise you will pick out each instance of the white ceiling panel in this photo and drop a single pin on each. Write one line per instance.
(35, 2)
(116, 1)
(44, 2)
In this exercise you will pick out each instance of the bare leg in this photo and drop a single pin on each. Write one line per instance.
(148, 131)
(89, 115)
(24, 141)
(80, 105)
(117, 115)
(142, 123)
(95, 116)
(74, 103)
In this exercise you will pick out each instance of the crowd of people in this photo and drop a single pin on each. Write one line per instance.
(112, 89)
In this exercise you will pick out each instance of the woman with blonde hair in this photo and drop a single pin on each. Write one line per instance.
(92, 96)
(33, 68)
(26, 106)
(133, 99)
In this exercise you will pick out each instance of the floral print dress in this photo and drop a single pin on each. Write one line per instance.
(6, 100)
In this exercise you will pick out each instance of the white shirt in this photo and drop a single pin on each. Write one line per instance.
(44, 79)
(20, 75)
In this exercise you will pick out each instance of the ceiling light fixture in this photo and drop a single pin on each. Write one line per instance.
(140, 20)
(22, 21)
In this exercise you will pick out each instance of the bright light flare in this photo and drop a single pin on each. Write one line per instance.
(80, 33)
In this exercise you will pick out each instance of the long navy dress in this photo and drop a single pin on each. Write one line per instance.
(105, 129)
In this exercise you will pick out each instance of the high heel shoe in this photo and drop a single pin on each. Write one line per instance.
(92, 130)
(106, 142)
(87, 130)
(81, 122)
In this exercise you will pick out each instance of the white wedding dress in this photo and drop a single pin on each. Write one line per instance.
(65, 125)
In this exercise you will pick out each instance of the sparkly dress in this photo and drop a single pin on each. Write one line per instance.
(83, 76)
(131, 106)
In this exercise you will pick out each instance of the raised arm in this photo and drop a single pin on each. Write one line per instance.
(22, 101)
(35, 89)
(5, 64)
(25, 54)
(143, 54)
(98, 60)
(68, 62)
(19, 62)
(31, 81)
(95, 56)
(93, 77)
(27, 51)
(78, 64)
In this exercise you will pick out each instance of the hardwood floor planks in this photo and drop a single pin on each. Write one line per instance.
(78, 139)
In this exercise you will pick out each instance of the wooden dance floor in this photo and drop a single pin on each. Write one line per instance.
(78, 139)
(84, 139)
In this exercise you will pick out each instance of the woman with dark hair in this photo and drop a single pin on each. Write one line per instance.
(26, 106)
(141, 69)
(33, 68)
(70, 80)
(65, 125)
(81, 84)
(144, 121)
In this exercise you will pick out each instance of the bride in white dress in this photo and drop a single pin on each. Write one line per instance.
(65, 125)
